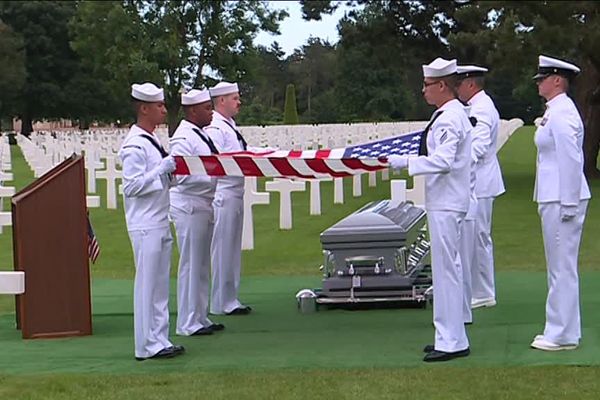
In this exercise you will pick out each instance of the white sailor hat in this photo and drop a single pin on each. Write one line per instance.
(147, 92)
(552, 66)
(469, 71)
(223, 88)
(439, 68)
(195, 96)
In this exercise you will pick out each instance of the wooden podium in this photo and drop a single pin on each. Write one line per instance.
(50, 245)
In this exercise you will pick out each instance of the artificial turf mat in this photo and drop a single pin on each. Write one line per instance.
(277, 336)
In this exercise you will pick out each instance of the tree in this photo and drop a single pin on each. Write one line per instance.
(174, 43)
(313, 9)
(384, 44)
(382, 47)
(509, 31)
(290, 112)
(12, 70)
(312, 68)
(267, 76)
(49, 61)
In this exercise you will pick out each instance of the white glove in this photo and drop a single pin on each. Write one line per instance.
(167, 165)
(398, 162)
(567, 213)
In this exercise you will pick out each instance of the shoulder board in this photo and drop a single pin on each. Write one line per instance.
(176, 139)
(132, 146)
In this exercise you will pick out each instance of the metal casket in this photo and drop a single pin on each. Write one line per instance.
(378, 253)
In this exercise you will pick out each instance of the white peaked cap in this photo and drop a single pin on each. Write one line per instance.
(147, 92)
(548, 66)
(470, 70)
(195, 96)
(439, 68)
(223, 88)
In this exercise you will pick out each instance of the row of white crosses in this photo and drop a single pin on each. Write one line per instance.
(11, 282)
(100, 147)
(6, 192)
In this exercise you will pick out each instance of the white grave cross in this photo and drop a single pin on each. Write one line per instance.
(285, 187)
(315, 195)
(111, 174)
(251, 197)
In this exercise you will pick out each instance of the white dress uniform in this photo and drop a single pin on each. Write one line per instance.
(448, 168)
(489, 184)
(192, 213)
(560, 183)
(146, 200)
(226, 249)
(467, 247)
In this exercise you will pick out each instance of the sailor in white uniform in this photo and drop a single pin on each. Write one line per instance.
(488, 179)
(146, 181)
(192, 213)
(562, 194)
(445, 159)
(228, 205)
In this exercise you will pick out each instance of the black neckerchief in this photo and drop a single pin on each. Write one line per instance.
(240, 138)
(472, 120)
(158, 147)
(207, 140)
(423, 141)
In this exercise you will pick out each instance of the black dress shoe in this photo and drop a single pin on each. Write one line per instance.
(178, 348)
(243, 310)
(429, 348)
(217, 327)
(207, 330)
(167, 352)
(437, 355)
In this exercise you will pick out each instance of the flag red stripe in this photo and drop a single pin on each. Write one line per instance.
(248, 166)
(295, 153)
(181, 167)
(212, 166)
(356, 163)
(320, 166)
(323, 153)
(285, 169)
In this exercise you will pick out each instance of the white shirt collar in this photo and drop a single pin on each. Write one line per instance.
(481, 93)
(220, 116)
(454, 103)
(556, 99)
(185, 122)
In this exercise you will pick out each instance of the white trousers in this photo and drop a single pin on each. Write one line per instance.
(482, 273)
(561, 245)
(226, 252)
(152, 254)
(444, 232)
(194, 233)
(467, 260)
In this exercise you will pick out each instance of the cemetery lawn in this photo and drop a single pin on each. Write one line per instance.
(277, 353)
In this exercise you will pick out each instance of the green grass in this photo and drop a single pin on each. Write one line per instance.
(372, 355)
(525, 383)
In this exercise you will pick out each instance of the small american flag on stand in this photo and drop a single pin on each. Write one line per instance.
(93, 246)
(307, 164)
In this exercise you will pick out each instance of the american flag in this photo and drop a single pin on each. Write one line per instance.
(308, 164)
(93, 246)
